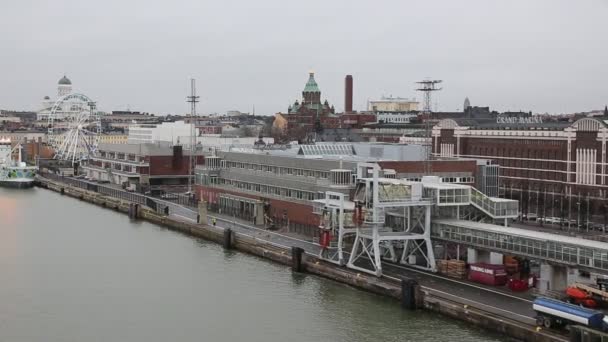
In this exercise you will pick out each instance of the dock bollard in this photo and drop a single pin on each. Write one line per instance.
(227, 238)
(132, 211)
(296, 259)
(408, 293)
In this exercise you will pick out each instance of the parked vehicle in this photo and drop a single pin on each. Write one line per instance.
(169, 196)
(600, 227)
(552, 313)
(551, 220)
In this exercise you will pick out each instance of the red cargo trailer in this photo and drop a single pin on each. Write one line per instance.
(488, 274)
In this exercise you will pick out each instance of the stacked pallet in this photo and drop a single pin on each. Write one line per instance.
(452, 268)
(442, 266)
(456, 269)
(511, 264)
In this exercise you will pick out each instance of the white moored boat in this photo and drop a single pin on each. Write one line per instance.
(14, 173)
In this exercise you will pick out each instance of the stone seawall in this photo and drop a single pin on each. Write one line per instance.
(428, 298)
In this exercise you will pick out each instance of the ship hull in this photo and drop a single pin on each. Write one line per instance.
(17, 184)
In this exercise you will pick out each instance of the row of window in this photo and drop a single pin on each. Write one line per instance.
(121, 156)
(458, 179)
(394, 119)
(547, 249)
(511, 142)
(114, 166)
(447, 196)
(260, 188)
(467, 180)
(277, 169)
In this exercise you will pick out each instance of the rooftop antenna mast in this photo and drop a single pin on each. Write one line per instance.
(427, 87)
(193, 100)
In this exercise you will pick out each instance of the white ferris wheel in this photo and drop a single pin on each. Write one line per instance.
(74, 128)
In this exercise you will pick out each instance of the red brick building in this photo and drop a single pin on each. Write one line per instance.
(304, 115)
(556, 169)
(313, 115)
(157, 166)
(356, 120)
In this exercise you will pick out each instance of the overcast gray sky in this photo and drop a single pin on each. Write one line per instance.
(540, 55)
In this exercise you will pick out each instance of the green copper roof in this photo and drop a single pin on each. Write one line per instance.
(311, 85)
(65, 81)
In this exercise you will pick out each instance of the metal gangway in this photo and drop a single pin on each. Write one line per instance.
(557, 249)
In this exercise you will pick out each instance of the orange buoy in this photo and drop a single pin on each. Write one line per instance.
(589, 303)
(576, 293)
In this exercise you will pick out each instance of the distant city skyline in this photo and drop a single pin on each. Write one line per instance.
(542, 56)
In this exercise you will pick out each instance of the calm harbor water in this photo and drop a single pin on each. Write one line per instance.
(71, 271)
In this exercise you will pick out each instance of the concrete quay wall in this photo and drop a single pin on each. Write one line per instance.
(427, 298)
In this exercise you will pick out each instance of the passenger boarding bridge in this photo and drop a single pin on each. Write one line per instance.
(557, 249)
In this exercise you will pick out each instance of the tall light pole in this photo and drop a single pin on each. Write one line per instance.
(427, 87)
(192, 99)
(588, 209)
(554, 203)
(578, 214)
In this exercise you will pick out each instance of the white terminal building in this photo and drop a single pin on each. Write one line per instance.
(178, 133)
(174, 132)
(393, 109)
(393, 104)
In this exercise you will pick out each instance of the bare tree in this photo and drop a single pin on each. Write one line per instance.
(267, 128)
(246, 131)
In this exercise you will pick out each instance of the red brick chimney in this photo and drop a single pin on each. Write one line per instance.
(348, 94)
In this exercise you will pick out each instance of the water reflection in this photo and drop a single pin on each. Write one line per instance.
(83, 273)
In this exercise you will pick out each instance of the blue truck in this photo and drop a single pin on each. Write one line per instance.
(552, 313)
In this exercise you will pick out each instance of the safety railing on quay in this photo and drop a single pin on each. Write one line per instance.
(181, 199)
(101, 189)
(122, 194)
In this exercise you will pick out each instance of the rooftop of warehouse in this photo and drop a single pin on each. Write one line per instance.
(354, 151)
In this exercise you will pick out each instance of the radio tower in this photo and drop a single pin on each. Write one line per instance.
(192, 99)
(427, 87)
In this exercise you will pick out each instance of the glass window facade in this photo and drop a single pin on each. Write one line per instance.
(538, 249)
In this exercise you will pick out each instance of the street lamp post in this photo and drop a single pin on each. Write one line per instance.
(578, 215)
(553, 200)
(588, 212)
(605, 217)
(569, 210)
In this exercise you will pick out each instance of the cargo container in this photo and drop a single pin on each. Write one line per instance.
(488, 274)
